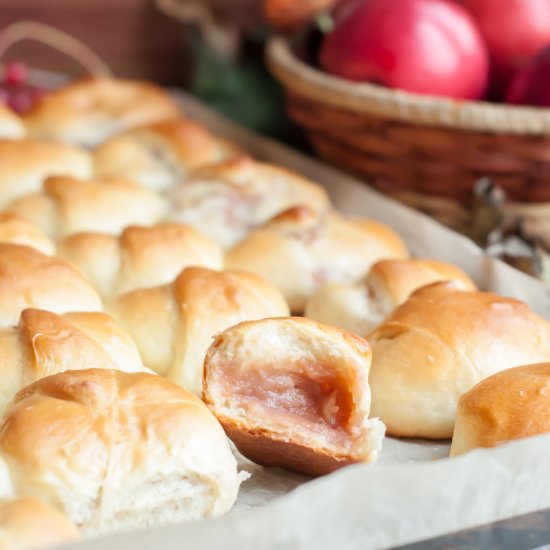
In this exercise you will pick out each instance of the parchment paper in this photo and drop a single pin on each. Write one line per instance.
(413, 492)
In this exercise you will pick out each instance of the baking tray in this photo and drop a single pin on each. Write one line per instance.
(412, 493)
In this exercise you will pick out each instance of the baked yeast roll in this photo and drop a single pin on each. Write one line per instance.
(438, 345)
(300, 250)
(11, 126)
(293, 393)
(17, 230)
(117, 451)
(227, 200)
(66, 206)
(161, 155)
(140, 257)
(509, 405)
(26, 164)
(29, 279)
(173, 324)
(89, 111)
(29, 524)
(44, 343)
(360, 308)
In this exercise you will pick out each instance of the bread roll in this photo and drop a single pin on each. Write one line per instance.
(90, 111)
(227, 200)
(438, 345)
(360, 308)
(44, 343)
(118, 451)
(11, 126)
(162, 154)
(293, 393)
(509, 405)
(29, 524)
(300, 250)
(26, 164)
(17, 230)
(140, 257)
(173, 324)
(66, 206)
(30, 279)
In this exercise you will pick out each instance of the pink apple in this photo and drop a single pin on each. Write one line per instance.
(514, 30)
(423, 46)
(531, 85)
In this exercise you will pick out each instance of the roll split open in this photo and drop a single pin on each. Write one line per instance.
(293, 393)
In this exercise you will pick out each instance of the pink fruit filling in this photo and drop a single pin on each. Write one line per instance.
(317, 396)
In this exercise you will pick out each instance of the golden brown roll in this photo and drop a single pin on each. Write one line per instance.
(26, 164)
(30, 279)
(509, 405)
(293, 393)
(173, 324)
(140, 257)
(11, 125)
(117, 451)
(360, 308)
(90, 111)
(66, 206)
(44, 343)
(227, 200)
(438, 345)
(161, 155)
(17, 230)
(301, 250)
(29, 524)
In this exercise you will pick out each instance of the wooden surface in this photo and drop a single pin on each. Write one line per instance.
(131, 35)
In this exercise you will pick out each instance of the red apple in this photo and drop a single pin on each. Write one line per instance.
(531, 85)
(514, 30)
(423, 46)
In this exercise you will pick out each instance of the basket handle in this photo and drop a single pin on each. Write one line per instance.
(59, 40)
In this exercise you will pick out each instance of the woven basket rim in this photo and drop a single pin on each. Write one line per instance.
(476, 116)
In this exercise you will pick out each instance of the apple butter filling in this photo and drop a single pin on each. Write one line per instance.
(320, 398)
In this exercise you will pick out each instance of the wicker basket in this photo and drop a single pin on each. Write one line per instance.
(425, 151)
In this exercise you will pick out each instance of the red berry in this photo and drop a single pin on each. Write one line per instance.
(15, 73)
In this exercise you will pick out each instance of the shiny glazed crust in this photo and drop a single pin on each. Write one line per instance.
(89, 111)
(509, 405)
(161, 155)
(140, 257)
(66, 206)
(159, 455)
(438, 345)
(227, 200)
(173, 324)
(17, 230)
(301, 250)
(361, 308)
(29, 279)
(26, 164)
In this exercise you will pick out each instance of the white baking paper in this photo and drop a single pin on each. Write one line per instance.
(414, 492)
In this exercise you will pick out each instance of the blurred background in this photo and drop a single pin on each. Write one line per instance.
(484, 172)
(214, 48)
